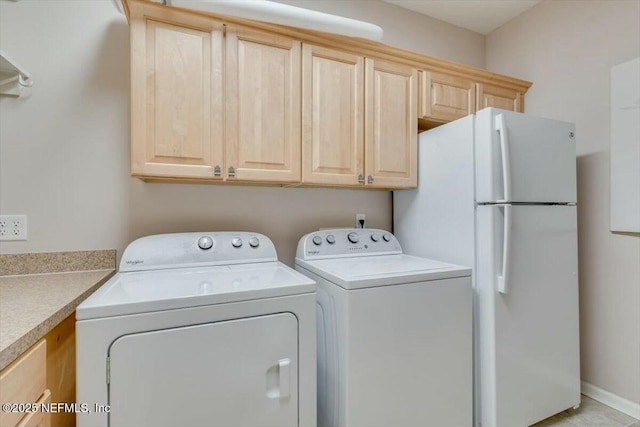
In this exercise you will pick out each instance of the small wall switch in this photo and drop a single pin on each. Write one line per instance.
(13, 227)
(360, 221)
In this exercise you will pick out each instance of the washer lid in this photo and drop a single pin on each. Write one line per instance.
(147, 291)
(381, 270)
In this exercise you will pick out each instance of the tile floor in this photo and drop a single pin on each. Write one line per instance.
(591, 413)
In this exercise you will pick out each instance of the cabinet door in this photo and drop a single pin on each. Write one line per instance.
(263, 106)
(332, 117)
(498, 97)
(391, 124)
(444, 97)
(39, 418)
(176, 96)
(24, 380)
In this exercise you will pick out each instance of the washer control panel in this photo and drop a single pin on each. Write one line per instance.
(341, 242)
(196, 249)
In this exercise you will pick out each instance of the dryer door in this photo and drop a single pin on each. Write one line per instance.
(234, 373)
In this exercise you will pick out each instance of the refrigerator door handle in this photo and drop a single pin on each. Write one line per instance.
(501, 127)
(503, 278)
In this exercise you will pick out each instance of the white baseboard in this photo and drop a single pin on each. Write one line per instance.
(616, 402)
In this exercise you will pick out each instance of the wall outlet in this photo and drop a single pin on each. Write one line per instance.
(360, 221)
(13, 227)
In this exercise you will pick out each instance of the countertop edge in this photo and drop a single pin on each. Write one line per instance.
(22, 344)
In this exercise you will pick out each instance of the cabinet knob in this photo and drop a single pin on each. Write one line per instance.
(232, 171)
(370, 179)
(217, 171)
(361, 179)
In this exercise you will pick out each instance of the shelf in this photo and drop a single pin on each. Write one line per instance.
(13, 79)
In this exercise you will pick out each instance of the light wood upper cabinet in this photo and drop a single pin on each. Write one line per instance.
(224, 99)
(499, 97)
(391, 124)
(262, 106)
(332, 117)
(359, 120)
(176, 96)
(445, 97)
(210, 105)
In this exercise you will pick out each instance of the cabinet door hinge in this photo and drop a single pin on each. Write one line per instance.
(108, 370)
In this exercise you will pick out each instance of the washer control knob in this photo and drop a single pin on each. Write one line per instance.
(236, 242)
(205, 242)
(375, 237)
(353, 237)
(331, 239)
(254, 242)
(317, 240)
(386, 237)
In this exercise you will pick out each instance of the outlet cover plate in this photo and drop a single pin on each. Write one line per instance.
(13, 227)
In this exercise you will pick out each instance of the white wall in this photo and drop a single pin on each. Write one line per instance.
(64, 152)
(566, 48)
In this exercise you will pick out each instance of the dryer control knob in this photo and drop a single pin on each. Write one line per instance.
(236, 242)
(375, 237)
(254, 242)
(386, 237)
(331, 239)
(353, 237)
(205, 242)
(317, 240)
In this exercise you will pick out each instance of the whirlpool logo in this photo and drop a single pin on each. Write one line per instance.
(134, 261)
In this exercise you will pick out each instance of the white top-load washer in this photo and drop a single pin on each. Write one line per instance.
(394, 332)
(198, 329)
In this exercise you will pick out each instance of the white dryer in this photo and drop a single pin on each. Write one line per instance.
(198, 329)
(394, 332)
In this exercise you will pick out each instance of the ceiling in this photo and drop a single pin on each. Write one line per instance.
(481, 16)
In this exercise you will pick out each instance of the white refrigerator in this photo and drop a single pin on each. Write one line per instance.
(497, 192)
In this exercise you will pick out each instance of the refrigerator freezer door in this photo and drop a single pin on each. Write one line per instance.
(527, 335)
(520, 158)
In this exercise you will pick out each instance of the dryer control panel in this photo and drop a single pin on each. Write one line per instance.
(177, 250)
(344, 242)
